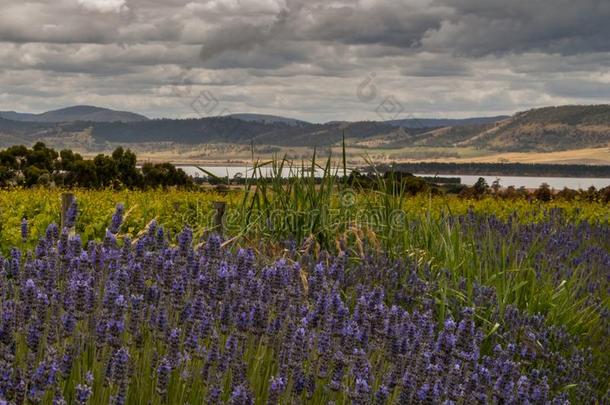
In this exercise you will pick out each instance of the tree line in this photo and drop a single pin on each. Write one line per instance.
(44, 166)
(501, 169)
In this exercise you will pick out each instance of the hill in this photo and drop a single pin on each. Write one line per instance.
(548, 129)
(444, 122)
(268, 119)
(75, 113)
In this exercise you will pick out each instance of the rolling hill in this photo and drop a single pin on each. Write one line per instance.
(75, 113)
(444, 122)
(268, 119)
(543, 130)
(547, 129)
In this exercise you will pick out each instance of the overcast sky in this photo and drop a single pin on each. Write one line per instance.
(309, 59)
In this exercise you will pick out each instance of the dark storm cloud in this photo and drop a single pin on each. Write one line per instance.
(304, 58)
(479, 27)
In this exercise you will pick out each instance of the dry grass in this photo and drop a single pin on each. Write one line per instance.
(217, 154)
(599, 156)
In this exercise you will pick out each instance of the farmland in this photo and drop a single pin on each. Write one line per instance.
(315, 292)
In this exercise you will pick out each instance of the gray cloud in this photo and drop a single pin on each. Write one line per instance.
(479, 27)
(304, 58)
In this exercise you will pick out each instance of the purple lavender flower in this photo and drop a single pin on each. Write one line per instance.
(119, 365)
(277, 386)
(83, 393)
(362, 392)
(58, 399)
(338, 372)
(163, 372)
(184, 239)
(70, 218)
(241, 396)
(214, 395)
(24, 230)
(117, 219)
(173, 354)
(381, 395)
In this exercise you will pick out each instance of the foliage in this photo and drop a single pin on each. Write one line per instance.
(20, 166)
(506, 169)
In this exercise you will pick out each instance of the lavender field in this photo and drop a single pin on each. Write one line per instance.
(304, 202)
(521, 317)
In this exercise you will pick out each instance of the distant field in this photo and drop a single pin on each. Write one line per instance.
(578, 156)
(237, 154)
(233, 153)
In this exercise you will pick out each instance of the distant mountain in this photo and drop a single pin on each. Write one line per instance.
(547, 129)
(444, 122)
(16, 116)
(268, 119)
(542, 129)
(233, 130)
(76, 113)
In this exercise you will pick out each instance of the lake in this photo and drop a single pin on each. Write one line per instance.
(505, 181)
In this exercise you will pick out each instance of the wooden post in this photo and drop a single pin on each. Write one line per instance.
(67, 199)
(219, 206)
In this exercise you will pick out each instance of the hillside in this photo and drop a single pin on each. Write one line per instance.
(444, 122)
(549, 129)
(75, 113)
(268, 119)
(546, 129)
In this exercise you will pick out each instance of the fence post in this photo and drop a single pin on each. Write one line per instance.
(219, 206)
(67, 199)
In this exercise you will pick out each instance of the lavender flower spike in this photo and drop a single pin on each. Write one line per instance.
(117, 219)
(24, 230)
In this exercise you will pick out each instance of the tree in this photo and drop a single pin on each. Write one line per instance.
(106, 169)
(164, 174)
(32, 174)
(6, 175)
(43, 166)
(543, 193)
(18, 154)
(84, 174)
(126, 162)
(480, 187)
(495, 186)
(68, 158)
(42, 157)
(8, 160)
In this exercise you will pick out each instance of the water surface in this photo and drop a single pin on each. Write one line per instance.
(505, 181)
